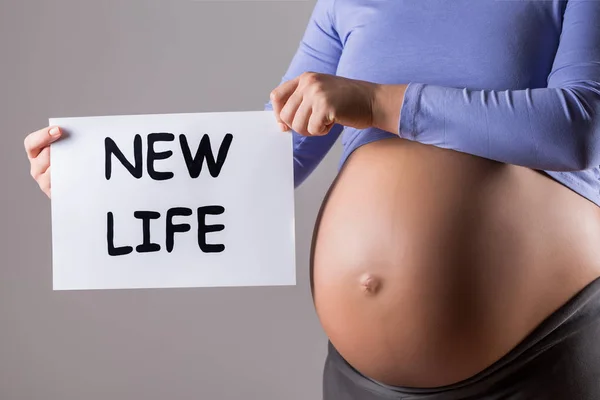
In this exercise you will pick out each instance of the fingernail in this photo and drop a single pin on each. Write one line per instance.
(54, 131)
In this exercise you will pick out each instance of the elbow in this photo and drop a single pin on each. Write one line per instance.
(590, 133)
(590, 152)
(585, 123)
(585, 153)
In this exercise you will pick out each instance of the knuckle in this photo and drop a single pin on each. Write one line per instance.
(310, 77)
(285, 116)
(275, 95)
(299, 127)
(319, 94)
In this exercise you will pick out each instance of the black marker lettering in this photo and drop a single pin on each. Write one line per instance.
(110, 147)
(153, 155)
(194, 164)
(172, 228)
(203, 229)
(147, 246)
(112, 250)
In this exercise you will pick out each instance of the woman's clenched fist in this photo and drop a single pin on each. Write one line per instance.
(312, 103)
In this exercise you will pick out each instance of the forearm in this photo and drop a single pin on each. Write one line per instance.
(545, 128)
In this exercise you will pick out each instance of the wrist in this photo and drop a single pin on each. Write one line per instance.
(387, 104)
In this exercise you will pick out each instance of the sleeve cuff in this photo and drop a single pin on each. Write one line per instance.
(408, 112)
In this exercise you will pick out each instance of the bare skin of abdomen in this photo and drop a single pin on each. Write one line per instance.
(429, 265)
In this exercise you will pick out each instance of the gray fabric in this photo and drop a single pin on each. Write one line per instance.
(559, 360)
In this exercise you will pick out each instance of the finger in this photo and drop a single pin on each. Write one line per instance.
(41, 163)
(301, 118)
(320, 122)
(288, 112)
(36, 141)
(44, 182)
(280, 96)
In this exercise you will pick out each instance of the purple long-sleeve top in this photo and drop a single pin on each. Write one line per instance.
(516, 81)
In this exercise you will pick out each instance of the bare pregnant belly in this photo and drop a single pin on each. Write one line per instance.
(428, 265)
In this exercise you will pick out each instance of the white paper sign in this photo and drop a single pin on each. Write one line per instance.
(172, 200)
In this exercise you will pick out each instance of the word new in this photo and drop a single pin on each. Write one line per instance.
(193, 163)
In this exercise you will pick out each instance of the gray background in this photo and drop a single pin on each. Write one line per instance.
(80, 58)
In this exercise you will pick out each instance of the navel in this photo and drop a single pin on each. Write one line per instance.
(370, 284)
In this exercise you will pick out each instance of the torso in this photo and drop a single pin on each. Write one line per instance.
(461, 256)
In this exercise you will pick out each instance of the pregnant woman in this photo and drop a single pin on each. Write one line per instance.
(457, 253)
